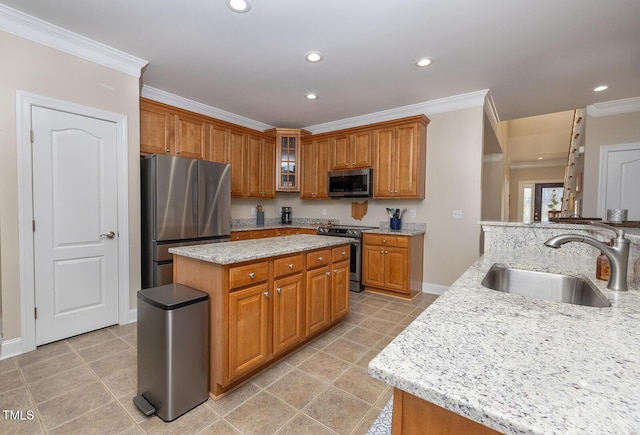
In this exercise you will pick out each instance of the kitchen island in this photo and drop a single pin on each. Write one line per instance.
(267, 298)
(518, 365)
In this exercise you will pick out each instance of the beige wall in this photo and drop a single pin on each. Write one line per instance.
(33, 68)
(604, 130)
(454, 164)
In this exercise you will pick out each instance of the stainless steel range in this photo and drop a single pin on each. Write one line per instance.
(354, 232)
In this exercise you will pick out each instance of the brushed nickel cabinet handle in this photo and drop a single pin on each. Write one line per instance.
(320, 258)
(266, 294)
(328, 273)
(291, 266)
(252, 275)
(279, 290)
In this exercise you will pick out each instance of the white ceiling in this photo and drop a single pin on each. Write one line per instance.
(536, 57)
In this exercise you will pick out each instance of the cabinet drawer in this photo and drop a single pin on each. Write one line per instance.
(288, 265)
(240, 276)
(240, 235)
(340, 253)
(386, 240)
(262, 234)
(318, 258)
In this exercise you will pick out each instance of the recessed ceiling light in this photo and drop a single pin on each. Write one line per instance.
(311, 96)
(423, 61)
(601, 88)
(539, 158)
(314, 56)
(240, 6)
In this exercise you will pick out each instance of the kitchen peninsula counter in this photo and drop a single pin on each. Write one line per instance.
(519, 365)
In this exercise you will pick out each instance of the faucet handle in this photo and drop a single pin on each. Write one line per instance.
(619, 231)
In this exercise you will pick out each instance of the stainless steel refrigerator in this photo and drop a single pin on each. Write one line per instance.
(183, 202)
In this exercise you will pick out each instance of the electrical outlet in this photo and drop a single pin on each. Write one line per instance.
(413, 213)
(324, 211)
(253, 211)
(457, 214)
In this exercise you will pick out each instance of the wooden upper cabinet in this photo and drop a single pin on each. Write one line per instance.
(351, 151)
(260, 167)
(400, 150)
(190, 136)
(156, 129)
(237, 159)
(287, 158)
(217, 143)
(315, 166)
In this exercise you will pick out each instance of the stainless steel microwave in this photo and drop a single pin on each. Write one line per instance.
(352, 182)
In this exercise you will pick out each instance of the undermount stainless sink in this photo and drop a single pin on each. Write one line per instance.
(542, 285)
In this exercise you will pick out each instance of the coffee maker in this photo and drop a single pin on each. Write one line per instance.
(286, 215)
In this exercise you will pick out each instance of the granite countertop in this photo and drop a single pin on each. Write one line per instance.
(246, 250)
(520, 365)
(274, 226)
(400, 232)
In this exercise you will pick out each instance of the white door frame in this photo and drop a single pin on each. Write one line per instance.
(602, 174)
(24, 102)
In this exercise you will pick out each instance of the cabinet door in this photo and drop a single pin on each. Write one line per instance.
(268, 170)
(396, 269)
(315, 166)
(254, 166)
(373, 265)
(190, 136)
(318, 300)
(287, 312)
(248, 329)
(340, 290)
(237, 154)
(384, 174)
(360, 150)
(217, 144)
(406, 160)
(322, 168)
(156, 130)
(340, 155)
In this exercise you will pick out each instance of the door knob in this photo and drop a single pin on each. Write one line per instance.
(109, 235)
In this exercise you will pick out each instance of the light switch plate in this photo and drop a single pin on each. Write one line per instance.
(413, 213)
(324, 212)
(457, 214)
(253, 211)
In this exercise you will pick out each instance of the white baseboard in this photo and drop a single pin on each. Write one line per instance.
(10, 348)
(434, 289)
(133, 316)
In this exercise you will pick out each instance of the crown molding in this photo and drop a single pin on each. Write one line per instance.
(193, 106)
(37, 30)
(538, 164)
(614, 107)
(491, 110)
(449, 104)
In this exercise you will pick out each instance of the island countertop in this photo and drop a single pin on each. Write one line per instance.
(247, 250)
(520, 365)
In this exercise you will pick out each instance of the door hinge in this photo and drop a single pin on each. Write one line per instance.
(33, 225)
(35, 312)
(32, 135)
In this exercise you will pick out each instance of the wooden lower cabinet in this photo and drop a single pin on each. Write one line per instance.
(318, 304)
(262, 310)
(392, 264)
(415, 416)
(248, 329)
(288, 311)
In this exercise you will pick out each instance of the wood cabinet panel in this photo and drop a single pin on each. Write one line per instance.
(384, 173)
(373, 265)
(318, 258)
(341, 158)
(315, 167)
(248, 329)
(190, 136)
(217, 144)
(318, 302)
(396, 269)
(288, 265)
(340, 290)
(156, 129)
(237, 159)
(260, 168)
(288, 309)
(240, 276)
(351, 151)
(340, 253)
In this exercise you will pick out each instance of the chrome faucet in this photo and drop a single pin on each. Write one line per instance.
(617, 253)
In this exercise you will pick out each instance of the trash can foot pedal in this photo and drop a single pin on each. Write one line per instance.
(143, 405)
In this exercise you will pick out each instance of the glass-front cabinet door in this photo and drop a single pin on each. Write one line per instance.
(288, 158)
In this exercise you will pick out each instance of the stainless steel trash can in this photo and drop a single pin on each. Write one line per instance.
(173, 350)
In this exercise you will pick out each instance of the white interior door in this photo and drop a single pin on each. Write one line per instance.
(75, 219)
(620, 180)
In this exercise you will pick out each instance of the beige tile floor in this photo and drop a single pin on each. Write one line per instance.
(85, 384)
